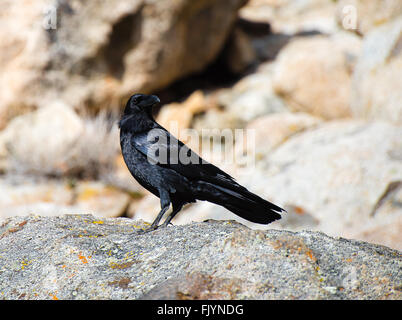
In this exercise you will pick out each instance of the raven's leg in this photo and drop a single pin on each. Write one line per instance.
(165, 204)
(176, 209)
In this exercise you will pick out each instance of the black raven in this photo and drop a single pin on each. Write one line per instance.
(177, 175)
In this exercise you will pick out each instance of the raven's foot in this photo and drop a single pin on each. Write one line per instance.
(165, 224)
(143, 231)
(153, 228)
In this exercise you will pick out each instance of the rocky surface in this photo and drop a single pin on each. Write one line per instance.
(282, 127)
(177, 117)
(249, 98)
(22, 143)
(340, 171)
(290, 17)
(376, 84)
(82, 257)
(91, 54)
(326, 64)
(367, 15)
(299, 66)
(48, 197)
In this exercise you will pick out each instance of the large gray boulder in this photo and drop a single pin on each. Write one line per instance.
(82, 257)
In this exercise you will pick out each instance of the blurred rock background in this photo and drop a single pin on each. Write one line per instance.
(319, 82)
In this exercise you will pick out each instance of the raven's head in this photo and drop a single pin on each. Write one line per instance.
(141, 102)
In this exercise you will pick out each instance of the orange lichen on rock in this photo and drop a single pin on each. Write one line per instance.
(83, 258)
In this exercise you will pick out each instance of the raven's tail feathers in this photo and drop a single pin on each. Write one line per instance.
(240, 201)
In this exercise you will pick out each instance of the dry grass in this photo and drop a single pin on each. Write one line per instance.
(90, 154)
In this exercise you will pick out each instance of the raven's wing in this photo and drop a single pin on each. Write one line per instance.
(211, 183)
(163, 149)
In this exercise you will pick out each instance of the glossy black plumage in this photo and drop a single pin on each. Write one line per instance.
(177, 180)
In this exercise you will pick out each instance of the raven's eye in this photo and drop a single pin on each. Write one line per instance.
(135, 101)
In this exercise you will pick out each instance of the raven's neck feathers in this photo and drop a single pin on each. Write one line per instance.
(136, 123)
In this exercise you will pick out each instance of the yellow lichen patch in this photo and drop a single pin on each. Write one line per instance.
(88, 193)
(90, 236)
(24, 263)
(129, 255)
(98, 222)
(124, 265)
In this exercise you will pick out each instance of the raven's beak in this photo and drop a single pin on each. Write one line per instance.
(152, 100)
